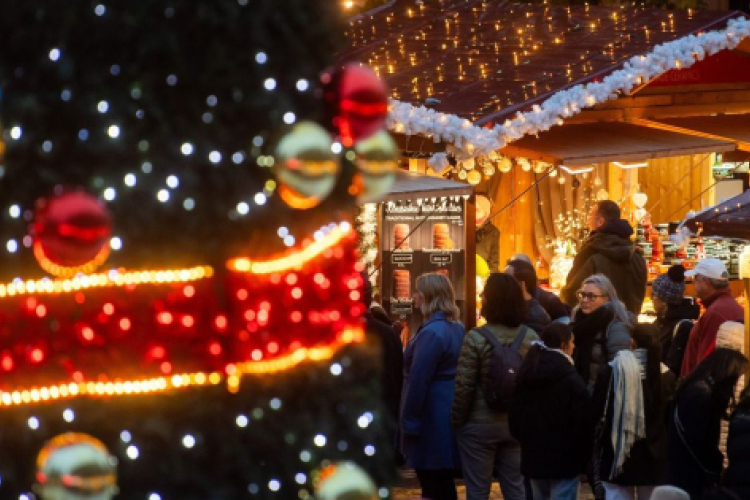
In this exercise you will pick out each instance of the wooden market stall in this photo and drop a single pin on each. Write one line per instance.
(556, 106)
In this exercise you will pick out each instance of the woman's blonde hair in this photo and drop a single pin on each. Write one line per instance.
(607, 288)
(438, 295)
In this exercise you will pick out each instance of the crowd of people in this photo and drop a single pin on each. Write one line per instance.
(634, 409)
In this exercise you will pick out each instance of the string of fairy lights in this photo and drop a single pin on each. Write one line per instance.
(472, 44)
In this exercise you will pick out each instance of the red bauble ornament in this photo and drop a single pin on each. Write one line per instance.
(71, 233)
(357, 102)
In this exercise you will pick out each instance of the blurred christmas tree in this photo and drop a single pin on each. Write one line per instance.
(155, 290)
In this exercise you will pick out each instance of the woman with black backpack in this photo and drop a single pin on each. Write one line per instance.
(484, 440)
(550, 416)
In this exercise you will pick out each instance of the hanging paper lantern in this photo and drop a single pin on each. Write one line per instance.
(602, 194)
(474, 177)
(504, 164)
(75, 465)
(306, 168)
(71, 233)
(524, 164)
(356, 102)
(344, 481)
(376, 167)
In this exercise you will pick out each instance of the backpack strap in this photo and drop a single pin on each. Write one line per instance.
(678, 325)
(516, 345)
(489, 337)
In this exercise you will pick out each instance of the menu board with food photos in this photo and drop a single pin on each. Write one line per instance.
(417, 237)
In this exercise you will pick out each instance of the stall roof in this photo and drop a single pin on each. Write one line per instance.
(721, 127)
(409, 184)
(588, 143)
(729, 219)
(485, 61)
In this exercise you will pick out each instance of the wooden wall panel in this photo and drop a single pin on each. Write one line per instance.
(671, 184)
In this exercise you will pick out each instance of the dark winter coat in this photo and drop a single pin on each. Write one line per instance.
(647, 461)
(552, 304)
(469, 404)
(737, 476)
(610, 252)
(550, 418)
(537, 318)
(393, 361)
(694, 464)
(720, 307)
(673, 342)
(599, 337)
(488, 245)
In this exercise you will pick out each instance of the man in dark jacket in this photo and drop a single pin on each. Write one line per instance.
(537, 318)
(487, 235)
(392, 374)
(609, 251)
(551, 303)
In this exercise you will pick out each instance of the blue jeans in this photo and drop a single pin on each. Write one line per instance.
(486, 447)
(555, 489)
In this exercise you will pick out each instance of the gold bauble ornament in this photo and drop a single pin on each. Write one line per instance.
(306, 167)
(344, 481)
(377, 158)
(73, 466)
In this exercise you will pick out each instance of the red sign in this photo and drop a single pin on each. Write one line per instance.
(723, 67)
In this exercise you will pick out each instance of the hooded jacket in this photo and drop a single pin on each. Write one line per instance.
(550, 417)
(610, 252)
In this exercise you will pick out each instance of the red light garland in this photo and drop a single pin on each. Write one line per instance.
(131, 331)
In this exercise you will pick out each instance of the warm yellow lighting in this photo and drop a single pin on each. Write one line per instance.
(68, 271)
(576, 170)
(630, 165)
(70, 390)
(101, 280)
(293, 261)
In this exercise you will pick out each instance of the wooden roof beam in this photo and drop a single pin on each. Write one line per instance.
(741, 145)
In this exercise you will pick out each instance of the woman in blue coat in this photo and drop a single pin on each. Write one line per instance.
(430, 361)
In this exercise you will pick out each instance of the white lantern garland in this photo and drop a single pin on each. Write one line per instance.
(468, 140)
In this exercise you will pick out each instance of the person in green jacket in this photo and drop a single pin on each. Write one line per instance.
(484, 440)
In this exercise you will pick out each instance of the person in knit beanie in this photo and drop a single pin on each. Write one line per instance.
(674, 315)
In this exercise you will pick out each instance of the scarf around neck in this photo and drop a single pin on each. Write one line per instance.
(628, 414)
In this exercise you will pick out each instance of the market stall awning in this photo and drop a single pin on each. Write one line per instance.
(408, 183)
(486, 61)
(588, 143)
(735, 128)
(730, 219)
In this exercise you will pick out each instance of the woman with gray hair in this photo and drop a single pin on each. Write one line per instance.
(601, 326)
(430, 362)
